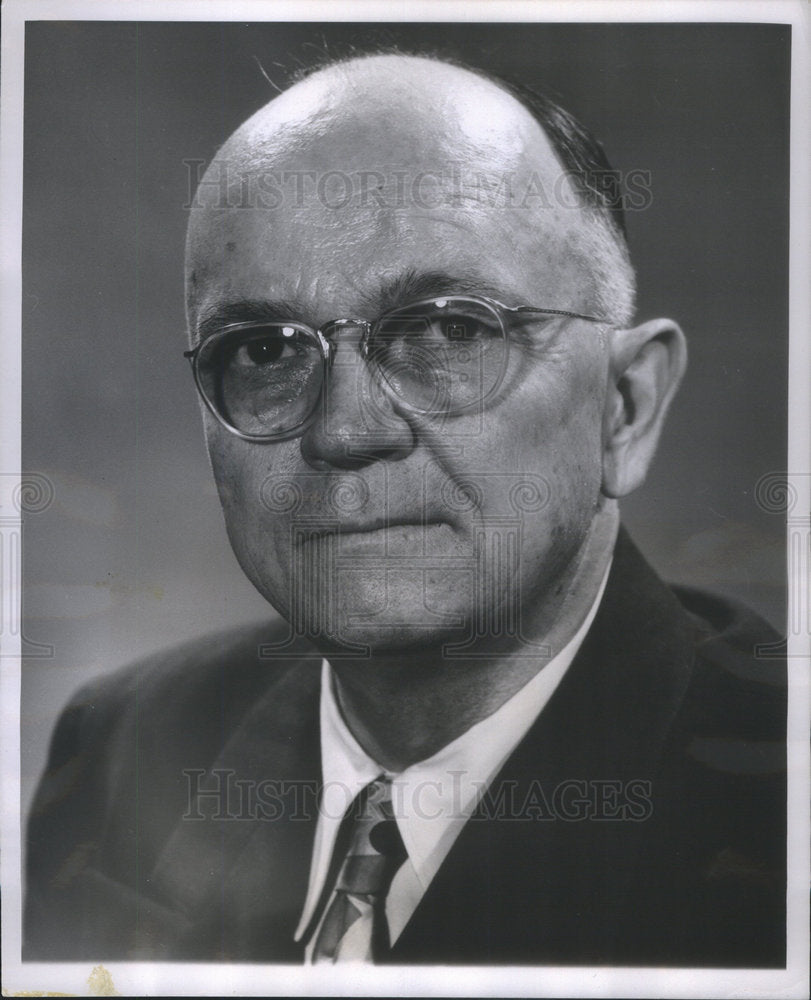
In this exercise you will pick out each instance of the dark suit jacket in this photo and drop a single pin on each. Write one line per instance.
(666, 717)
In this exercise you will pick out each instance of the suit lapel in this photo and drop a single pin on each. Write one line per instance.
(531, 877)
(240, 874)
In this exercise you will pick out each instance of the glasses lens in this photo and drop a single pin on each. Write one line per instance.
(263, 380)
(442, 356)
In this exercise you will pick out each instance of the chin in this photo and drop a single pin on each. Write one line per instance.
(385, 640)
(385, 610)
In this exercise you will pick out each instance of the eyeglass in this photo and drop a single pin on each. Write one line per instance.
(442, 356)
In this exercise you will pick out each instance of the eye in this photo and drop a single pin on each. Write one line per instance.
(443, 321)
(266, 346)
(463, 327)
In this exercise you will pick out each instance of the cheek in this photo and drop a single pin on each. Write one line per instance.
(556, 422)
(235, 470)
(248, 477)
(552, 442)
(578, 441)
(578, 472)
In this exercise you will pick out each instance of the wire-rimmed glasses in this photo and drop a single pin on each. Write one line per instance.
(447, 355)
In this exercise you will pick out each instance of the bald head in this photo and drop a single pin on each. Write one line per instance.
(364, 140)
(405, 100)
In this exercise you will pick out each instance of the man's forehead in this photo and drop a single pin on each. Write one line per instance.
(393, 115)
(400, 94)
(372, 153)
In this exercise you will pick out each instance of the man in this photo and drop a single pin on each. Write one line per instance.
(487, 733)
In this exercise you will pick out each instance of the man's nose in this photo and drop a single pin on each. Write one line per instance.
(356, 422)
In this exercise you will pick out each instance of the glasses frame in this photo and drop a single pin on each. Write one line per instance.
(328, 348)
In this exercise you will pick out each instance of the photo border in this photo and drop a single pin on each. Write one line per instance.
(256, 980)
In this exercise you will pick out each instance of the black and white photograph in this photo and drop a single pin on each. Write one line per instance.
(405, 540)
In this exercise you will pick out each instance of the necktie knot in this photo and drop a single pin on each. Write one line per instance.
(385, 839)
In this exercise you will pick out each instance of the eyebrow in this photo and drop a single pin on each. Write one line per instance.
(245, 311)
(410, 286)
(413, 285)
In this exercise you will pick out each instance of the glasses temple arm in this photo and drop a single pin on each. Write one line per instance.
(555, 312)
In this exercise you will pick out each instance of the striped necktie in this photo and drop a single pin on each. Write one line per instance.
(354, 927)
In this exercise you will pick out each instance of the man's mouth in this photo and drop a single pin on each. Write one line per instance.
(371, 526)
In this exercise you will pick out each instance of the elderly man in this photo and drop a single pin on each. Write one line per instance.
(487, 732)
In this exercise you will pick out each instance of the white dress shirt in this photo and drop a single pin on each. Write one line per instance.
(433, 798)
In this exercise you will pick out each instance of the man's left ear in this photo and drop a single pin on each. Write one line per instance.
(647, 363)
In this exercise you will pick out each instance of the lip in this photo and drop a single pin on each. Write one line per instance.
(380, 524)
(374, 526)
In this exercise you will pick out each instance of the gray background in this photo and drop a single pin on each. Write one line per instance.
(131, 556)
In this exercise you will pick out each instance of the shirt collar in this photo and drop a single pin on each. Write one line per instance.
(433, 798)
